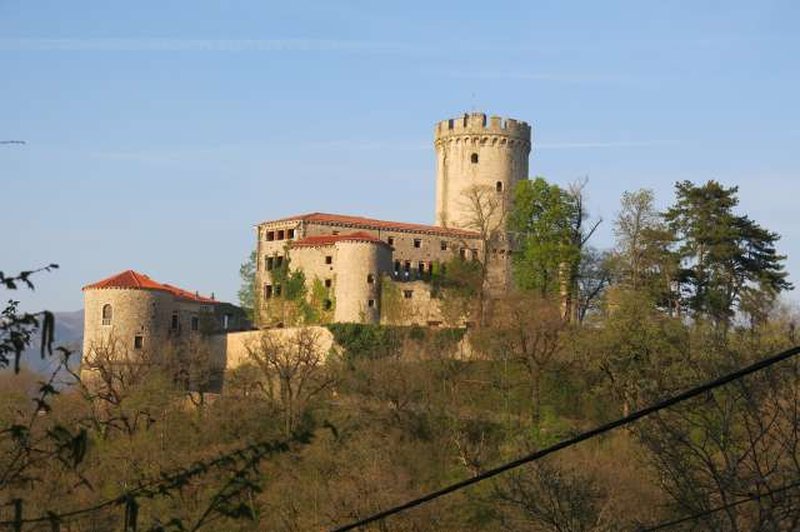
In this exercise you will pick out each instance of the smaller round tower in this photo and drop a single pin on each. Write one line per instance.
(473, 152)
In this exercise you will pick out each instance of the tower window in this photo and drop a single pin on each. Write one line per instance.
(390, 241)
(270, 236)
(174, 323)
(327, 304)
(328, 283)
(499, 186)
(329, 259)
(138, 342)
(370, 303)
(474, 158)
(417, 243)
(107, 314)
(370, 278)
(408, 294)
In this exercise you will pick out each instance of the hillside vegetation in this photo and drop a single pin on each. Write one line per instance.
(300, 443)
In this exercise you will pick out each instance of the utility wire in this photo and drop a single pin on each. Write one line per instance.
(710, 511)
(688, 394)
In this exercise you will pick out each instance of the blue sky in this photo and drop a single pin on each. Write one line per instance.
(158, 133)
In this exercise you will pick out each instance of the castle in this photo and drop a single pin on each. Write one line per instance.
(347, 265)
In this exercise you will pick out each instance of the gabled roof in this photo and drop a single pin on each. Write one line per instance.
(130, 279)
(372, 223)
(328, 240)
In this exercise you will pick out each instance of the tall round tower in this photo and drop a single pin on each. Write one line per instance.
(472, 152)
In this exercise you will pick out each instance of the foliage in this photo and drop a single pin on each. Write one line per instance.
(725, 256)
(247, 290)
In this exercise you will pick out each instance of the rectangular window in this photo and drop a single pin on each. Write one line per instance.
(335, 233)
(195, 323)
(329, 259)
(462, 253)
(390, 241)
(138, 342)
(269, 263)
(174, 321)
(443, 245)
(474, 254)
(281, 234)
(408, 293)
(270, 236)
(290, 233)
(421, 268)
(370, 278)
(370, 303)
(267, 291)
(328, 283)
(417, 243)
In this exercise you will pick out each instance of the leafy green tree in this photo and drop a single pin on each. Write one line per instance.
(541, 222)
(247, 291)
(725, 256)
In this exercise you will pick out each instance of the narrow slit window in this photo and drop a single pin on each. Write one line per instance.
(174, 324)
(499, 186)
(138, 342)
(328, 283)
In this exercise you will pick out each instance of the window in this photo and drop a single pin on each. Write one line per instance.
(474, 158)
(278, 262)
(443, 245)
(370, 278)
(195, 323)
(396, 267)
(474, 254)
(174, 324)
(407, 269)
(329, 259)
(269, 263)
(417, 243)
(106, 314)
(277, 290)
(335, 233)
(327, 304)
(281, 234)
(408, 293)
(421, 268)
(498, 186)
(138, 342)
(270, 236)
(390, 241)
(370, 303)
(267, 291)
(290, 233)
(328, 283)
(462, 253)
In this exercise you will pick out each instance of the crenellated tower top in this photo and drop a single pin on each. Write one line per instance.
(476, 124)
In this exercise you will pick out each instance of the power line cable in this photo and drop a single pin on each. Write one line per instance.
(688, 394)
(711, 511)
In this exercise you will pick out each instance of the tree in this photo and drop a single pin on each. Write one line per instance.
(725, 256)
(292, 365)
(549, 226)
(247, 291)
(643, 258)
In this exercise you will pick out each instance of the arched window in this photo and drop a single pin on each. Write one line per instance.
(107, 314)
(474, 158)
(499, 186)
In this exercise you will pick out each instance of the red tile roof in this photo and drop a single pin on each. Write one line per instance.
(328, 240)
(138, 281)
(371, 223)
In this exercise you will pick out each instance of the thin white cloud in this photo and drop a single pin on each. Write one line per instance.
(203, 45)
(600, 145)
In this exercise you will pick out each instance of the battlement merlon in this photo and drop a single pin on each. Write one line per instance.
(477, 124)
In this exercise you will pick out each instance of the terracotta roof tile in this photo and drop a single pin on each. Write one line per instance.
(138, 281)
(328, 240)
(372, 223)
